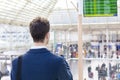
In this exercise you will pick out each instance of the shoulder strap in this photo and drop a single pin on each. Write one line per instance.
(19, 66)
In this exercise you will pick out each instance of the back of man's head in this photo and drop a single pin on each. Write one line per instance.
(39, 27)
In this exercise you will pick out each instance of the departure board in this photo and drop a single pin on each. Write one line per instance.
(97, 8)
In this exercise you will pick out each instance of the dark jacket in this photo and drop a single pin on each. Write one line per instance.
(41, 64)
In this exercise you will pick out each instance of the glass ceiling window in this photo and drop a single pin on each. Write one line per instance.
(17, 11)
(66, 4)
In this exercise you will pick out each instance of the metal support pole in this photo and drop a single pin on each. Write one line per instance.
(108, 55)
(80, 43)
(54, 43)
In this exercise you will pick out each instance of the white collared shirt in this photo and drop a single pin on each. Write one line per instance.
(38, 47)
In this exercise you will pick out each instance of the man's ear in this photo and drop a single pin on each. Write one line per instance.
(48, 35)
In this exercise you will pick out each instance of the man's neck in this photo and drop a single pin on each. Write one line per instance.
(39, 44)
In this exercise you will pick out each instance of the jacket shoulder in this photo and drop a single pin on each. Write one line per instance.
(58, 59)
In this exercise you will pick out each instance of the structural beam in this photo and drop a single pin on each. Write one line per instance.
(80, 55)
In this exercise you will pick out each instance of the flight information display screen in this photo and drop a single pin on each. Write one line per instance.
(97, 8)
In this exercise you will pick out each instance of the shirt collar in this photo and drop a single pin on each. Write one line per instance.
(38, 47)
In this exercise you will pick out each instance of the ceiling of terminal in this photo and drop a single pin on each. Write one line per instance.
(23, 11)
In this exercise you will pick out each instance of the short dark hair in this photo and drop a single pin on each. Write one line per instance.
(39, 27)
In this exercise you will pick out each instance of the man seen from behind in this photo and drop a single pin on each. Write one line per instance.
(39, 63)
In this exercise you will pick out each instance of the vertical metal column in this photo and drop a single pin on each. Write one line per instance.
(80, 43)
(108, 55)
(54, 41)
(65, 37)
(65, 42)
